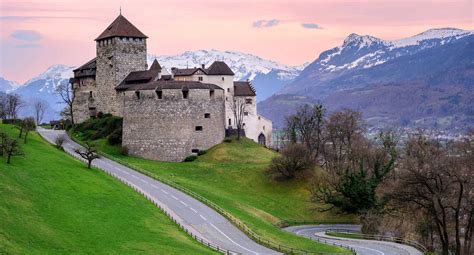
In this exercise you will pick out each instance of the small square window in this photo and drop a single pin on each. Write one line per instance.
(198, 128)
(159, 94)
(195, 150)
(200, 78)
(185, 94)
(137, 94)
(211, 94)
(248, 101)
(207, 115)
(246, 113)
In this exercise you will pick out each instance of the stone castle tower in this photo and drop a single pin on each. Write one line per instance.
(121, 49)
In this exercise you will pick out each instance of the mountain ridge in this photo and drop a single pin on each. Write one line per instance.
(365, 68)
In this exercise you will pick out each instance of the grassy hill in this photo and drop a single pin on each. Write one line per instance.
(231, 175)
(51, 203)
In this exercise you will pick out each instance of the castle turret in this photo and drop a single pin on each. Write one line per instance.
(121, 49)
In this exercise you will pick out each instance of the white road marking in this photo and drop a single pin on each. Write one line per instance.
(183, 203)
(192, 209)
(154, 186)
(361, 247)
(174, 197)
(233, 240)
(136, 177)
(202, 217)
(143, 181)
(164, 191)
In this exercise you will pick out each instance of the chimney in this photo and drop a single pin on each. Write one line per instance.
(203, 66)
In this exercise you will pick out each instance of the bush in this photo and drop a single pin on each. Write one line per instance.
(59, 142)
(124, 150)
(228, 140)
(115, 137)
(190, 158)
(200, 153)
(294, 160)
(107, 126)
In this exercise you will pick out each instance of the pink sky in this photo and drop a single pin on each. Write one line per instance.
(37, 34)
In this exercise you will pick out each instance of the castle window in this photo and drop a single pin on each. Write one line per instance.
(228, 89)
(200, 78)
(230, 122)
(195, 150)
(185, 94)
(222, 78)
(263, 127)
(137, 93)
(207, 115)
(211, 94)
(198, 128)
(159, 94)
(90, 94)
(246, 113)
(248, 101)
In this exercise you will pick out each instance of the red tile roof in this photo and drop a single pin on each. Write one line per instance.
(121, 27)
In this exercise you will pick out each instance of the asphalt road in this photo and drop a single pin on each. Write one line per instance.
(195, 216)
(362, 247)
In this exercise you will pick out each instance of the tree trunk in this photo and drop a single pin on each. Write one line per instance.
(89, 162)
(26, 135)
(238, 133)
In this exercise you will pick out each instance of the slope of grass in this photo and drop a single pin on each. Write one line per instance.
(51, 203)
(232, 176)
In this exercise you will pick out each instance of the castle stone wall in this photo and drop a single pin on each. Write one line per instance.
(83, 101)
(116, 58)
(165, 129)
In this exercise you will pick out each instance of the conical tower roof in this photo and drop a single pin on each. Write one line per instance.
(121, 27)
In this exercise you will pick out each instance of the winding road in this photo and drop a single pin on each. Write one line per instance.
(196, 217)
(362, 247)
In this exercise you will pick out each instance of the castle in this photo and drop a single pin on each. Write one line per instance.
(167, 115)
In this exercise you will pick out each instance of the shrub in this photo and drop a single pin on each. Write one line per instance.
(228, 140)
(124, 150)
(59, 142)
(115, 137)
(294, 160)
(200, 153)
(190, 158)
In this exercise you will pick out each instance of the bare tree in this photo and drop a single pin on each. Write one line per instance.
(3, 107)
(28, 125)
(306, 126)
(438, 178)
(3, 143)
(40, 108)
(12, 148)
(343, 138)
(13, 104)
(60, 141)
(67, 94)
(238, 106)
(89, 153)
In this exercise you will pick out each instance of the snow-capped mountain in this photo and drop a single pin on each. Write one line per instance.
(7, 86)
(364, 52)
(267, 76)
(424, 80)
(245, 66)
(43, 87)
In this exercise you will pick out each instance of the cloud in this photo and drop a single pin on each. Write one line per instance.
(266, 23)
(311, 26)
(28, 46)
(26, 35)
